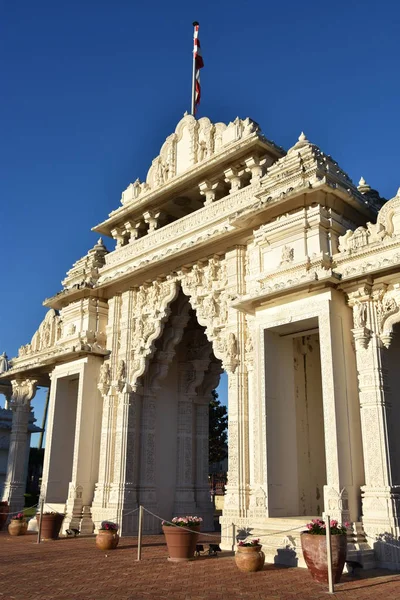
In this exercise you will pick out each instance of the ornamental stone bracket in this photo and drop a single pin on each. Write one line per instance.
(376, 309)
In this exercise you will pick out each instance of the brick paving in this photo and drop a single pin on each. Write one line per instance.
(73, 569)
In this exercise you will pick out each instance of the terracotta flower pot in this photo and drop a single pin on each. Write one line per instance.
(4, 509)
(17, 527)
(181, 543)
(107, 539)
(314, 552)
(249, 558)
(51, 525)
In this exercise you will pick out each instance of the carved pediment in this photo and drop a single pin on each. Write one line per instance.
(46, 336)
(192, 142)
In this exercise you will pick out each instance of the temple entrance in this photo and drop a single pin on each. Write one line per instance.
(295, 425)
(174, 429)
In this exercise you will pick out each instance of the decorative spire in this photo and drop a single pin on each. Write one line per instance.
(363, 186)
(398, 193)
(302, 141)
(99, 244)
(4, 364)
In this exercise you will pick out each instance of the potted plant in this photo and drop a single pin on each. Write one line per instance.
(107, 537)
(18, 525)
(51, 524)
(181, 535)
(313, 544)
(249, 557)
(4, 508)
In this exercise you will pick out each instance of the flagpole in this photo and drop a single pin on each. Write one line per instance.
(192, 112)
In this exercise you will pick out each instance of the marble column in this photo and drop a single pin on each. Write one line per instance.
(148, 490)
(191, 376)
(124, 488)
(85, 463)
(257, 441)
(237, 495)
(102, 487)
(380, 497)
(23, 390)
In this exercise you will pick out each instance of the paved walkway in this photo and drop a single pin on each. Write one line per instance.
(73, 569)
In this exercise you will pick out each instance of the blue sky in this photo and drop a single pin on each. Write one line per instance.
(92, 89)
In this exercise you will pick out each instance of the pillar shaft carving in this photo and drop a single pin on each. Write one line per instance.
(374, 312)
(237, 491)
(123, 490)
(258, 500)
(23, 390)
(191, 376)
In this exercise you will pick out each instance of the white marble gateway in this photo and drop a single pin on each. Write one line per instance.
(233, 255)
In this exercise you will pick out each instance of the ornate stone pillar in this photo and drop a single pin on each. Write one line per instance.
(124, 489)
(257, 441)
(102, 489)
(191, 376)
(372, 308)
(236, 501)
(148, 491)
(86, 449)
(202, 488)
(23, 390)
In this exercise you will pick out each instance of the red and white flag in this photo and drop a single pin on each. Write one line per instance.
(198, 64)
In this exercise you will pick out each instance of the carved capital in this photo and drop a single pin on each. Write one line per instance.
(119, 236)
(208, 190)
(234, 177)
(153, 217)
(254, 165)
(23, 390)
(132, 228)
(362, 336)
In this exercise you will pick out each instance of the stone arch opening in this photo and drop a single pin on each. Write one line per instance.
(173, 433)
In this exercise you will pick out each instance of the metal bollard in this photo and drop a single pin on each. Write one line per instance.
(40, 520)
(327, 520)
(140, 531)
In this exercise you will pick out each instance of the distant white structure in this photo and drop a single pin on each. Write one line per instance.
(234, 255)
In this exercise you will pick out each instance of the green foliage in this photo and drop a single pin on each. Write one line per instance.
(218, 427)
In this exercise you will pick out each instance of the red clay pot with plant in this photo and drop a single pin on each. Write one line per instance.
(51, 525)
(107, 537)
(18, 525)
(181, 536)
(313, 544)
(249, 557)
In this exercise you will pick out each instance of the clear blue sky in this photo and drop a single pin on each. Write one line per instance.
(92, 89)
